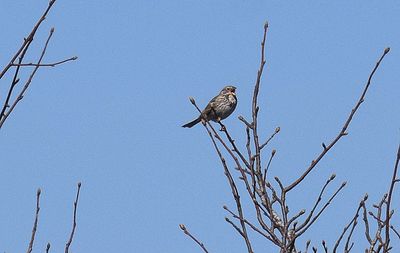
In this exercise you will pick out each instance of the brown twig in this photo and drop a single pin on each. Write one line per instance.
(325, 246)
(252, 226)
(232, 141)
(186, 232)
(352, 222)
(389, 200)
(322, 209)
(395, 231)
(344, 128)
(30, 247)
(5, 113)
(255, 109)
(71, 236)
(380, 226)
(330, 179)
(365, 219)
(28, 39)
(270, 138)
(20, 54)
(44, 64)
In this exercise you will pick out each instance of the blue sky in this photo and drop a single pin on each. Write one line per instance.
(112, 119)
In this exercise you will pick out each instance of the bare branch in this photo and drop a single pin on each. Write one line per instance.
(270, 138)
(30, 247)
(322, 210)
(252, 226)
(28, 39)
(344, 128)
(44, 64)
(4, 114)
(325, 247)
(389, 200)
(68, 244)
(48, 247)
(184, 229)
(395, 231)
(330, 179)
(352, 222)
(234, 226)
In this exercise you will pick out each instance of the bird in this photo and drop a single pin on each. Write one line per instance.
(219, 108)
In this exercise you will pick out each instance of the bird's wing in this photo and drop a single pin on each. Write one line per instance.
(209, 106)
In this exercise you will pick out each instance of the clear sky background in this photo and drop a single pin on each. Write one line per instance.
(112, 119)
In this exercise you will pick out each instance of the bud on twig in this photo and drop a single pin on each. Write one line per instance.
(192, 100)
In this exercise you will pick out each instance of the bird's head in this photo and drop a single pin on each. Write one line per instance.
(230, 89)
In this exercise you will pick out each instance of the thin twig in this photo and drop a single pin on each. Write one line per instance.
(28, 82)
(325, 247)
(48, 247)
(353, 220)
(252, 226)
(344, 128)
(322, 210)
(28, 39)
(30, 247)
(271, 137)
(234, 226)
(389, 200)
(365, 219)
(71, 236)
(273, 152)
(44, 64)
(395, 231)
(232, 141)
(186, 232)
(330, 179)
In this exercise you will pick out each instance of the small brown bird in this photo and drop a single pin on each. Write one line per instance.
(219, 108)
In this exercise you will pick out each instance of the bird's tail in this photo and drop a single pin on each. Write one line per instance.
(192, 123)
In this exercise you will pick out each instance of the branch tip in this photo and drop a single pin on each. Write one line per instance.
(192, 100)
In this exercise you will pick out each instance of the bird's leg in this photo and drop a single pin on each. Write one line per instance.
(223, 128)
